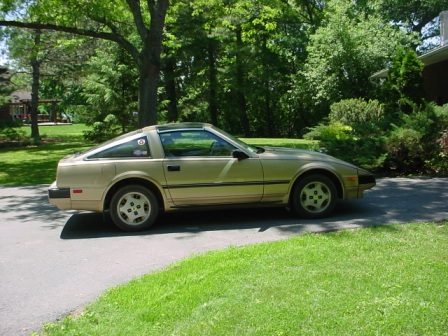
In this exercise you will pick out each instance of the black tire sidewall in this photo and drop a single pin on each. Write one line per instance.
(138, 189)
(296, 204)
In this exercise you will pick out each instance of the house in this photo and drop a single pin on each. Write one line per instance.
(435, 71)
(18, 108)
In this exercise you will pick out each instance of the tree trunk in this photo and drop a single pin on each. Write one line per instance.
(149, 63)
(213, 83)
(147, 97)
(147, 87)
(35, 64)
(267, 95)
(241, 97)
(170, 87)
(267, 108)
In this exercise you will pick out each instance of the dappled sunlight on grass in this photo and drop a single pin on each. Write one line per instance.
(34, 165)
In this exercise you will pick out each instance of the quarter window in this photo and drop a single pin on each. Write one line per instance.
(132, 149)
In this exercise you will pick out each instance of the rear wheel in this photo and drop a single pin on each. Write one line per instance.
(314, 196)
(134, 208)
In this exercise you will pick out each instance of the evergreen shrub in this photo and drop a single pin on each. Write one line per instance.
(103, 130)
(353, 133)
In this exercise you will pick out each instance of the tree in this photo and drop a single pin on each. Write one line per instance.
(233, 61)
(349, 47)
(136, 26)
(412, 14)
(110, 85)
(32, 54)
(404, 90)
(41, 55)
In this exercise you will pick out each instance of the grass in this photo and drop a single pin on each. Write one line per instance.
(37, 164)
(386, 280)
(61, 132)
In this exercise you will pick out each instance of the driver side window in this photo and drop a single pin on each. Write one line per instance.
(194, 143)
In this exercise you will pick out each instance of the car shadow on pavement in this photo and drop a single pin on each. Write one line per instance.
(94, 225)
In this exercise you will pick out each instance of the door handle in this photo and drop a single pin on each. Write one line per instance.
(172, 168)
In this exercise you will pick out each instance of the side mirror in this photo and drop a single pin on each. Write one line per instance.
(239, 154)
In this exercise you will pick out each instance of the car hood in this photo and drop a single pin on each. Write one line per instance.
(302, 154)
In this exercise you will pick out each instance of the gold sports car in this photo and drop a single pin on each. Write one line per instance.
(196, 165)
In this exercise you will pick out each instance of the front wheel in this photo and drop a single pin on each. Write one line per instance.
(134, 208)
(314, 196)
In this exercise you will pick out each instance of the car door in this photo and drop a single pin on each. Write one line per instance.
(200, 170)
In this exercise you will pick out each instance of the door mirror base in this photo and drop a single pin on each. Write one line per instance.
(239, 154)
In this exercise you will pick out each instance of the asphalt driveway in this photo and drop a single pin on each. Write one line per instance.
(54, 262)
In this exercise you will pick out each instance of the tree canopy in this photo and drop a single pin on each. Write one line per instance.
(262, 67)
(134, 25)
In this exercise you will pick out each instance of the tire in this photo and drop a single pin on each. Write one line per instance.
(314, 196)
(134, 208)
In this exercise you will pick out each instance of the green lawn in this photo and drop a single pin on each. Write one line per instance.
(292, 143)
(61, 132)
(386, 280)
(37, 164)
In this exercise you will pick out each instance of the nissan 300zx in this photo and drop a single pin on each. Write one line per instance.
(182, 166)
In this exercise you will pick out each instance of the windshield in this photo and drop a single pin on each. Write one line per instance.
(238, 141)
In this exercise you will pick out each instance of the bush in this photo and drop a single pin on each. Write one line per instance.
(10, 123)
(103, 130)
(10, 133)
(356, 111)
(353, 133)
(405, 150)
(359, 132)
(438, 162)
(414, 146)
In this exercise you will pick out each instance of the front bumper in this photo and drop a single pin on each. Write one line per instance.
(367, 180)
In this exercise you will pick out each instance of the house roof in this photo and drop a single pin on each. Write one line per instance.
(434, 56)
(18, 96)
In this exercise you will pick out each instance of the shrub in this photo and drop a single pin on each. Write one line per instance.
(325, 133)
(356, 111)
(341, 141)
(103, 130)
(405, 150)
(438, 162)
(353, 133)
(414, 146)
(11, 135)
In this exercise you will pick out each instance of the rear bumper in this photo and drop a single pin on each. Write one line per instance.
(59, 197)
